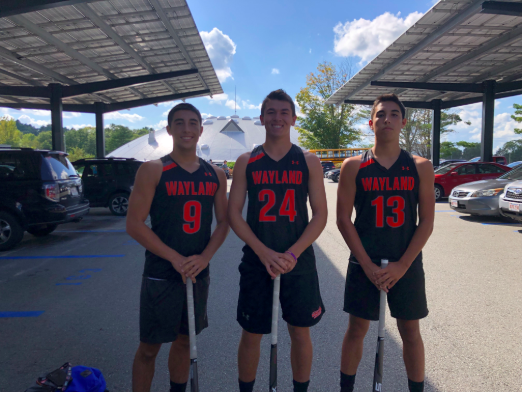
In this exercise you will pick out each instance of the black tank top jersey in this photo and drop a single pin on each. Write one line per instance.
(386, 203)
(181, 214)
(277, 209)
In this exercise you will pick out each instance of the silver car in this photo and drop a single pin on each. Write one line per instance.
(482, 197)
(510, 202)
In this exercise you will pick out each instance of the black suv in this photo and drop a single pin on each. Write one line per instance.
(40, 190)
(108, 182)
(327, 166)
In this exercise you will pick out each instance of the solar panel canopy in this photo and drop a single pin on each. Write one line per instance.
(454, 42)
(95, 41)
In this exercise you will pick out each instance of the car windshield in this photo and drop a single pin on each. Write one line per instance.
(61, 167)
(474, 159)
(514, 174)
(514, 164)
(445, 169)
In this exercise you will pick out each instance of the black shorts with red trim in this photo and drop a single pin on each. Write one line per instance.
(406, 299)
(163, 309)
(300, 299)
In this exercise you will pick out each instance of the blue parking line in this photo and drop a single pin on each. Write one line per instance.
(69, 283)
(66, 256)
(497, 223)
(20, 314)
(95, 231)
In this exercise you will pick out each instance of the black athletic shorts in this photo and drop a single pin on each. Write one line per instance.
(163, 309)
(300, 299)
(407, 298)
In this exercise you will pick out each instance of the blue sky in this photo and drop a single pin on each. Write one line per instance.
(258, 47)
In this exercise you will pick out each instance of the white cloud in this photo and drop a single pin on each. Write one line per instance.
(71, 115)
(221, 50)
(247, 105)
(275, 71)
(160, 125)
(38, 112)
(310, 51)
(166, 113)
(29, 120)
(168, 103)
(218, 98)
(367, 38)
(205, 115)
(232, 105)
(297, 110)
(130, 117)
(4, 113)
(78, 126)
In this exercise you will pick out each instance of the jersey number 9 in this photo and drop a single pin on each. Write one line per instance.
(192, 217)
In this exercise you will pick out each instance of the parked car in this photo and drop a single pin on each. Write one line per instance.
(328, 173)
(335, 176)
(327, 166)
(447, 162)
(514, 164)
(108, 182)
(40, 190)
(510, 201)
(482, 197)
(225, 168)
(497, 159)
(333, 172)
(453, 175)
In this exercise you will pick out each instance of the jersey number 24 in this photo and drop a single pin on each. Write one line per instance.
(287, 207)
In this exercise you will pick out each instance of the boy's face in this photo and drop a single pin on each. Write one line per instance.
(387, 121)
(185, 129)
(278, 118)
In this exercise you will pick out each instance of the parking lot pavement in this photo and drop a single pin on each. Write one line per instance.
(74, 296)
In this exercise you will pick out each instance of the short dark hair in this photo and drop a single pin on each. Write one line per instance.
(388, 97)
(183, 107)
(279, 95)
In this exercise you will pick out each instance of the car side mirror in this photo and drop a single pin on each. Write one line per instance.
(453, 173)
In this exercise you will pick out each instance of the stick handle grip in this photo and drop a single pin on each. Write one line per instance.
(382, 304)
(275, 308)
(191, 320)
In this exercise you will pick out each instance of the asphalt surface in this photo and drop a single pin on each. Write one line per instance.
(83, 282)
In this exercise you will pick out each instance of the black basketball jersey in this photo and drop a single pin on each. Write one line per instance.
(386, 203)
(277, 209)
(181, 214)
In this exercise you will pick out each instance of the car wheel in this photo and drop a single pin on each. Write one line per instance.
(335, 179)
(119, 203)
(439, 192)
(42, 230)
(11, 232)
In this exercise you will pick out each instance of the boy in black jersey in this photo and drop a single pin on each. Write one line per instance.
(278, 178)
(179, 191)
(385, 185)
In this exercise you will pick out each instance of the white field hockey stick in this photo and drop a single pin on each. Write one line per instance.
(379, 356)
(194, 383)
(273, 347)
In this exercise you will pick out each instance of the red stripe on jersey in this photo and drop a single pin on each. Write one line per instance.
(365, 164)
(255, 158)
(170, 166)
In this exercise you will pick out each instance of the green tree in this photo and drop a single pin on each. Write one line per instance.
(448, 150)
(117, 135)
(326, 126)
(45, 140)
(29, 140)
(84, 138)
(512, 150)
(9, 134)
(77, 153)
(470, 149)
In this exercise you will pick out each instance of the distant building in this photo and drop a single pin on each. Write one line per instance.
(222, 139)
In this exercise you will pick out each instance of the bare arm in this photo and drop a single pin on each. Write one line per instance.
(388, 277)
(318, 204)
(273, 261)
(345, 203)
(193, 265)
(147, 179)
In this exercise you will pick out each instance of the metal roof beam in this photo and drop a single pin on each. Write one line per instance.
(508, 86)
(465, 87)
(502, 8)
(172, 31)
(135, 103)
(15, 7)
(407, 104)
(25, 91)
(87, 88)
(451, 24)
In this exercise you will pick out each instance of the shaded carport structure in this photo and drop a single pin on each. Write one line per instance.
(460, 52)
(99, 56)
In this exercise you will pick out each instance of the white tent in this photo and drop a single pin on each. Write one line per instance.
(222, 139)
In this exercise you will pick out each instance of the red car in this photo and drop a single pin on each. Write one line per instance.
(453, 175)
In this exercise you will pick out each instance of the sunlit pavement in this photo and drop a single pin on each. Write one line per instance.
(74, 296)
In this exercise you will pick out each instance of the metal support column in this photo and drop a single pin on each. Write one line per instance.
(488, 117)
(56, 117)
(435, 133)
(100, 134)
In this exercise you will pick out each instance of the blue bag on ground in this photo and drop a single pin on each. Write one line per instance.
(86, 379)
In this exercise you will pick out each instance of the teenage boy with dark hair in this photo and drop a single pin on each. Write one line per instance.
(385, 185)
(179, 191)
(278, 178)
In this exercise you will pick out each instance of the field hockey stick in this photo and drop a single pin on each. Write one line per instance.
(273, 347)
(379, 356)
(194, 383)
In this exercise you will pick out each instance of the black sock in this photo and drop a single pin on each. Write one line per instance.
(347, 382)
(246, 386)
(301, 386)
(415, 386)
(178, 387)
